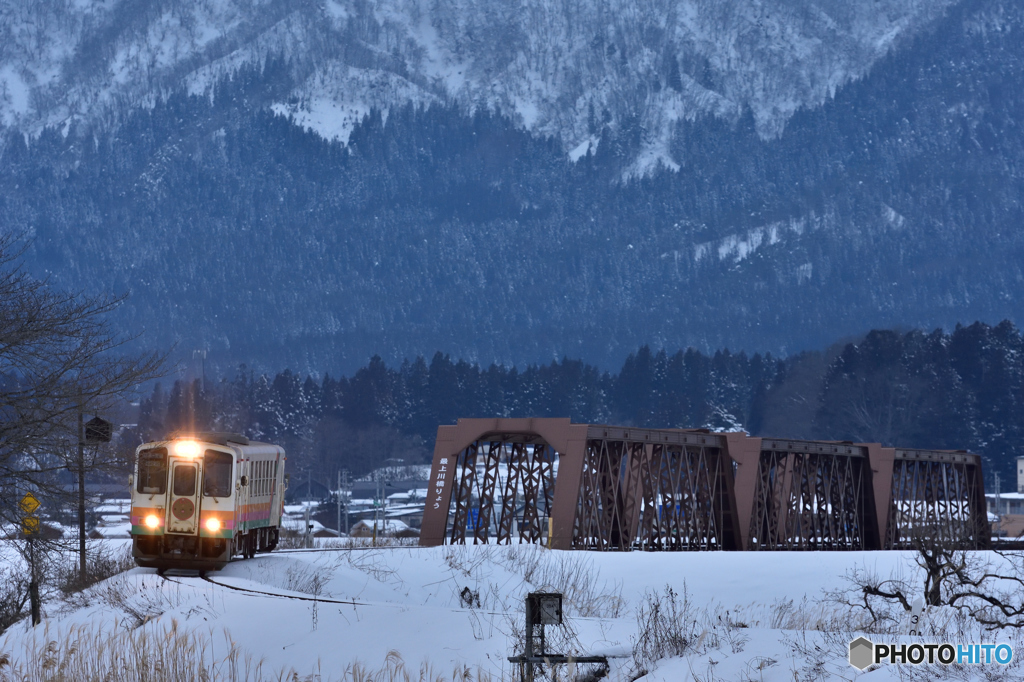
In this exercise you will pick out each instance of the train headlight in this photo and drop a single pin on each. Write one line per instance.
(213, 525)
(152, 521)
(186, 448)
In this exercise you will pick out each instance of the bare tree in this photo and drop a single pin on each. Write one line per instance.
(59, 358)
(986, 587)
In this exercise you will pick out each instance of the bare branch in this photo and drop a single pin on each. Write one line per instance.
(59, 356)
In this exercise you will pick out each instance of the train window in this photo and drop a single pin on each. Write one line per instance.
(185, 480)
(152, 471)
(217, 479)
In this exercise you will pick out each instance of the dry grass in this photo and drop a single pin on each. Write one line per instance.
(669, 624)
(308, 578)
(571, 573)
(296, 541)
(60, 585)
(92, 654)
(103, 561)
(396, 670)
(174, 654)
(14, 600)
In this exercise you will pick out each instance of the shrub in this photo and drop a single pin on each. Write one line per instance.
(665, 627)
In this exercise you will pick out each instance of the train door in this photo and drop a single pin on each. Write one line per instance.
(184, 497)
(242, 498)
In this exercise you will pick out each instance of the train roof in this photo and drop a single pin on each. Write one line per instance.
(220, 438)
(216, 437)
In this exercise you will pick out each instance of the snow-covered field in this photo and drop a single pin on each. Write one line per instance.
(401, 609)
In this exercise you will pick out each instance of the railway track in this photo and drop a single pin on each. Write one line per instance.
(278, 595)
(295, 597)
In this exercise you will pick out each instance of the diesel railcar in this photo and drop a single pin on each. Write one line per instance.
(200, 499)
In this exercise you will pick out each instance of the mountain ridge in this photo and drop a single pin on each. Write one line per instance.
(894, 203)
(561, 69)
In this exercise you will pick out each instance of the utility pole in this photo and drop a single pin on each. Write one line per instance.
(376, 505)
(348, 497)
(95, 432)
(998, 502)
(201, 356)
(381, 484)
(81, 498)
(305, 539)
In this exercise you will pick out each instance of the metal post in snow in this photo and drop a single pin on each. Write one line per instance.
(33, 585)
(30, 528)
(913, 624)
(529, 640)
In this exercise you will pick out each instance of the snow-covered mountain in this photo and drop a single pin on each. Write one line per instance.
(560, 68)
(308, 184)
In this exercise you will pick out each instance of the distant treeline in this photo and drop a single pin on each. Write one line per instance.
(956, 390)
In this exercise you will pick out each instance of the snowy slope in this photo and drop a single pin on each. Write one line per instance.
(563, 68)
(407, 601)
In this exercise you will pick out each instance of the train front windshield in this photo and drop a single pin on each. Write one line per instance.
(152, 472)
(216, 474)
(184, 480)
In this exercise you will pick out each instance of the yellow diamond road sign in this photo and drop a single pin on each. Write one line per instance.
(30, 525)
(29, 503)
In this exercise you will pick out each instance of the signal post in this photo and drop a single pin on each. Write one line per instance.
(30, 528)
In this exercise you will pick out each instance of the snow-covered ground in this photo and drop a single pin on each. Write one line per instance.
(385, 608)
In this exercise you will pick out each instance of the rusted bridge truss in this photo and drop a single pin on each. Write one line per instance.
(504, 488)
(585, 486)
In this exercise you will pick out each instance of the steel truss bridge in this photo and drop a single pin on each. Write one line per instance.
(588, 486)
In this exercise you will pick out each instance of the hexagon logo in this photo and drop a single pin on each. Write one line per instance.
(862, 653)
